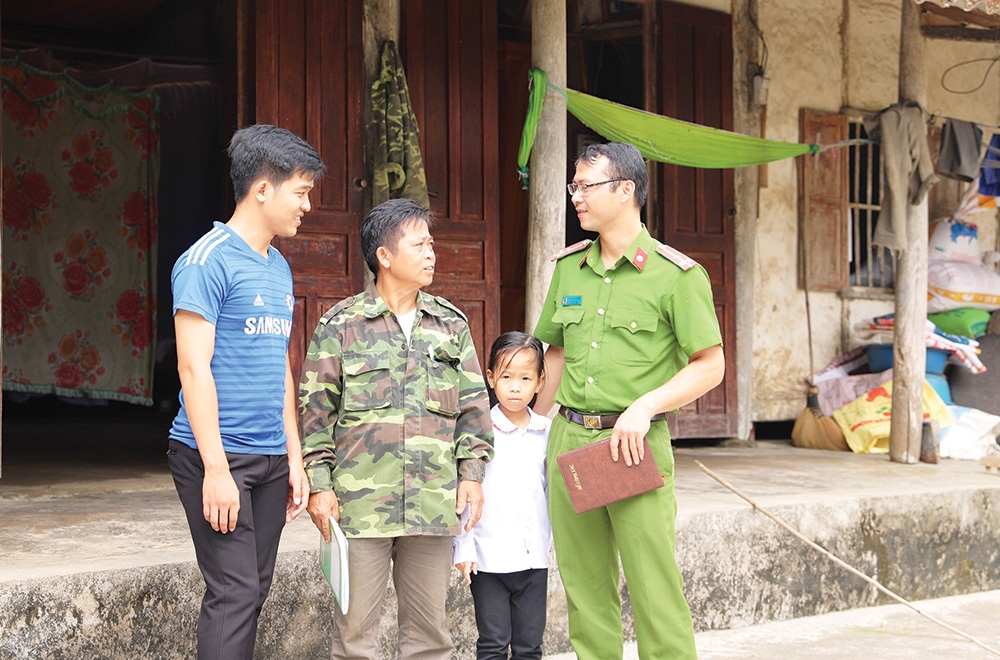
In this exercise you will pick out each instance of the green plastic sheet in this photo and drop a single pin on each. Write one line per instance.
(658, 138)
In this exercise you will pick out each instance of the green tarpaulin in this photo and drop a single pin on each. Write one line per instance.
(659, 138)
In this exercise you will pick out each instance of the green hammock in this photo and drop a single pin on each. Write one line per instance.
(657, 137)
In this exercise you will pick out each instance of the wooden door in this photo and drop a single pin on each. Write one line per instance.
(449, 54)
(309, 79)
(696, 209)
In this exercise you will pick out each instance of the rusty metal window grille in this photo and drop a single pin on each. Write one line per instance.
(870, 266)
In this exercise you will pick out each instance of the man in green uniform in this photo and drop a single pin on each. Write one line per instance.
(396, 432)
(632, 334)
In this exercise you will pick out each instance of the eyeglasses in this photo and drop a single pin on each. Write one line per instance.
(583, 188)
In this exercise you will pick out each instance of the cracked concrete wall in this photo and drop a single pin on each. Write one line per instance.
(828, 56)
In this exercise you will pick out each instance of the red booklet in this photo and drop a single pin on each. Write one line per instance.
(594, 480)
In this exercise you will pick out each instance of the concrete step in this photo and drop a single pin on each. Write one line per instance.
(103, 566)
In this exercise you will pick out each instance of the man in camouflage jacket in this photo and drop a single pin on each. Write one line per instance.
(395, 435)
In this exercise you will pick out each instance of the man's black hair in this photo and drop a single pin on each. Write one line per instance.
(272, 153)
(383, 227)
(624, 162)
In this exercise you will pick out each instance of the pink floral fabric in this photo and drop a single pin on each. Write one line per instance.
(79, 233)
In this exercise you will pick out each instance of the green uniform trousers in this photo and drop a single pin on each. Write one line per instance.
(641, 530)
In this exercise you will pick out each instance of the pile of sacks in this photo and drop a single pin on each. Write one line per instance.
(963, 326)
(963, 298)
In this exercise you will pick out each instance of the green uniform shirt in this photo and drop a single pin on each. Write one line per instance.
(390, 427)
(628, 329)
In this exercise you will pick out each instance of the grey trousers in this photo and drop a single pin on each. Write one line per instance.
(421, 568)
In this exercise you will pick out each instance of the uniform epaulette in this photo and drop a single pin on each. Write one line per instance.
(444, 302)
(683, 261)
(570, 249)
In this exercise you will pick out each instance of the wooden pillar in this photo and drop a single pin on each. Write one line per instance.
(909, 352)
(547, 187)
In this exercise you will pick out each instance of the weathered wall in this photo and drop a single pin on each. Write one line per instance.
(832, 56)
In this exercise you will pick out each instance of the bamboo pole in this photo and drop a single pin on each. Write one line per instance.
(839, 562)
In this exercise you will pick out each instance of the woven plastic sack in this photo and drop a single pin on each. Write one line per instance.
(955, 284)
(953, 241)
(866, 420)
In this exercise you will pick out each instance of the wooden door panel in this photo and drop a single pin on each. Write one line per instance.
(449, 54)
(696, 214)
(309, 79)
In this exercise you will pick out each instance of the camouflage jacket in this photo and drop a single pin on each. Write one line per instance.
(390, 427)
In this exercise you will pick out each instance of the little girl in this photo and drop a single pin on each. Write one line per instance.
(505, 558)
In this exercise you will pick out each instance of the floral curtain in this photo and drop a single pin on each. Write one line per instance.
(79, 236)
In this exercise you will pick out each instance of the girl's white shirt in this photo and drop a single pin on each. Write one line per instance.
(514, 533)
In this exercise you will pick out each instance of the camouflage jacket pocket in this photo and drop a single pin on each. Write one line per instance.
(443, 377)
(367, 382)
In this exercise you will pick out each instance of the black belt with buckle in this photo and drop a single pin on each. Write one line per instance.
(598, 421)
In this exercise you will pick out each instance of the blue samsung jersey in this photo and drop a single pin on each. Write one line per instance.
(248, 298)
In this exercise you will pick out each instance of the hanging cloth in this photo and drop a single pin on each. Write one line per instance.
(398, 169)
(80, 176)
(961, 142)
(658, 138)
(989, 177)
(909, 172)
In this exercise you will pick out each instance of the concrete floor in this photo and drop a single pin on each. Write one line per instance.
(76, 496)
(890, 631)
(80, 493)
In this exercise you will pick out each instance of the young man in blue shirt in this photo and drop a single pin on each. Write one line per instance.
(234, 446)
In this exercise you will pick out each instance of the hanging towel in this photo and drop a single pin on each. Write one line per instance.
(909, 172)
(398, 169)
(960, 146)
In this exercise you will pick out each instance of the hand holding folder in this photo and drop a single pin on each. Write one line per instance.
(333, 561)
(594, 480)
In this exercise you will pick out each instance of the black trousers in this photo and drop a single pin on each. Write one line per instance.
(510, 613)
(237, 566)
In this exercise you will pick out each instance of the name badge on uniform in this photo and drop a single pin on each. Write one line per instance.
(572, 301)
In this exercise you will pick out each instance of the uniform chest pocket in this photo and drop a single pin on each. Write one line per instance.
(567, 316)
(632, 333)
(367, 382)
(443, 372)
(569, 319)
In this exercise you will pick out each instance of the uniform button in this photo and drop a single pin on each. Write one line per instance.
(632, 325)
(607, 280)
(593, 344)
(600, 310)
(404, 347)
(590, 379)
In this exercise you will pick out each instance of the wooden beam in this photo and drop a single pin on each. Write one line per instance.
(547, 185)
(909, 344)
(955, 33)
